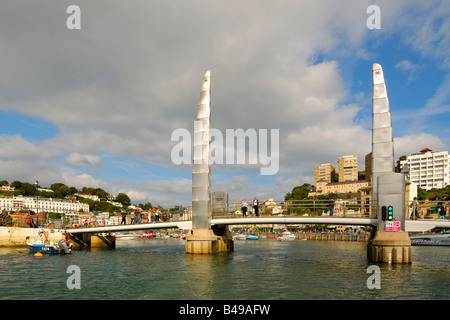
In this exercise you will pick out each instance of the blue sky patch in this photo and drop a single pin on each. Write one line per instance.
(30, 128)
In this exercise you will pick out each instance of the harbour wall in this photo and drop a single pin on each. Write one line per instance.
(16, 236)
(320, 236)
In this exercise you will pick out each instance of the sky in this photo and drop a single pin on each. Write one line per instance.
(97, 106)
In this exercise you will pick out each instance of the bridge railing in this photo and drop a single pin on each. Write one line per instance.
(428, 209)
(309, 207)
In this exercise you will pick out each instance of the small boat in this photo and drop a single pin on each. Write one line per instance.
(49, 247)
(441, 239)
(148, 235)
(240, 237)
(252, 237)
(286, 236)
(127, 236)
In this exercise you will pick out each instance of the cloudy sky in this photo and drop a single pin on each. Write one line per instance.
(97, 106)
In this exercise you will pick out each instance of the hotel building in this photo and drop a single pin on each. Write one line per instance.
(429, 169)
(43, 204)
(348, 168)
(324, 172)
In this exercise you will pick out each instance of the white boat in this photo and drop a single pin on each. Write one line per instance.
(286, 236)
(127, 236)
(252, 237)
(442, 239)
(240, 237)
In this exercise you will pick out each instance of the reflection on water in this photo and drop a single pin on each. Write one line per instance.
(263, 269)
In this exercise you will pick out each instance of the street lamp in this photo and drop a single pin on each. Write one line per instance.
(37, 197)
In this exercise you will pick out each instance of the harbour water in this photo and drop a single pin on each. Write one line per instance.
(159, 269)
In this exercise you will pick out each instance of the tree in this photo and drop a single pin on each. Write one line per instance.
(397, 167)
(27, 189)
(60, 190)
(123, 199)
(16, 184)
(299, 192)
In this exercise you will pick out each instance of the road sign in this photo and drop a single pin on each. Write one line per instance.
(393, 225)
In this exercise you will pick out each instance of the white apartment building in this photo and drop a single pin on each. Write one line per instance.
(43, 204)
(429, 169)
(89, 196)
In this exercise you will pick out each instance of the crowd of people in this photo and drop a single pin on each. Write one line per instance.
(244, 207)
(422, 210)
(150, 216)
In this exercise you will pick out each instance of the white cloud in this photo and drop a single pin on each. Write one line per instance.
(119, 86)
(83, 160)
(414, 143)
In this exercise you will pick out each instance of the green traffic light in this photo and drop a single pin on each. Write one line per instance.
(390, 213)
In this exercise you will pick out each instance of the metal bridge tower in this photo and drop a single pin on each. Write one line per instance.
(203, 239)
(391, 242)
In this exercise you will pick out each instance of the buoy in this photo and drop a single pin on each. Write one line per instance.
(38, 254)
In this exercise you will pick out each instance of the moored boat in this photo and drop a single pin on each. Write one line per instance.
(441, 239)
(148, 235)
(127, 236)
(286, 236)
(49, 247)
(240, 237)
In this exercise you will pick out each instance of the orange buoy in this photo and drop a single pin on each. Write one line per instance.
(38, 254)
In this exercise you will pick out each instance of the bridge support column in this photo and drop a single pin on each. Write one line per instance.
(390, 242)
(204, 241)
(390, 247)
(103, 241)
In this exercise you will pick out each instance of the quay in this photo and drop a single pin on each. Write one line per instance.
(333, 236)
(319, 236)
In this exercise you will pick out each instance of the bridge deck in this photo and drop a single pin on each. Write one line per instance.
(412, 226)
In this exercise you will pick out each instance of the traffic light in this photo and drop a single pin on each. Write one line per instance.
(383, 213)
(390, 213)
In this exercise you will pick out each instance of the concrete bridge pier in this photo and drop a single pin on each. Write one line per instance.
(87, 239)
(390, 247)
(206, 241)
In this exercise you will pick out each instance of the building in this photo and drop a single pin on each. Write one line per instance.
(93, 197)
(6, 187)
(43, 204)
(322, 187)
(368, 167)
(348, 168)
(324, 172)
(428, 169)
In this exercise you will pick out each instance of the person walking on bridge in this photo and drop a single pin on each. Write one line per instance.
(255, 206)
(243, 207)
(414, 209)
(331, 206)
(124, 217)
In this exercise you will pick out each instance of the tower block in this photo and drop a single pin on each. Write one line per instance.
(391, 242)
(202, 238)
